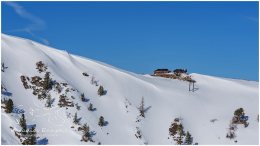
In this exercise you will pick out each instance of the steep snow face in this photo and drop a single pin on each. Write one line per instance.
(164, 100)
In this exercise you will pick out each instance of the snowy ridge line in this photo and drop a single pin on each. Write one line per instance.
(124, 97)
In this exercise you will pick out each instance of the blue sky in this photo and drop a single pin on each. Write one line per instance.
(214, 38)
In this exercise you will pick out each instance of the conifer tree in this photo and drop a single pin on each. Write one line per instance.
(188, 139)
(3, 67)
(9, 106)
(231, 131)
(141, 108)
(48, 101)
(23, 124)
(101, 91)
(90, 107)
(75, 119)
(239, 112)
(47, 83)
(86, 133)
(180, 134)
(101, 121)
(82, 96)
(92, 80)
(32, 136)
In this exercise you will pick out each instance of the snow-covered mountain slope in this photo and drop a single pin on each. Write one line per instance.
(164, 100)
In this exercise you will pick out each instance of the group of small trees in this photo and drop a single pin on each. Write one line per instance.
(58, 87)
(238, 118)
(86, 133)
(40, 86)
(176, 130)
(138, 134)
(41, 66)
(231, 131)
(101, 91)
(64, 101)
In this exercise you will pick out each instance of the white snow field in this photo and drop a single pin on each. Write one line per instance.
(164, 99)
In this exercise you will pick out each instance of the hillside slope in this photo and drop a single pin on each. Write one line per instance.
(164, 99)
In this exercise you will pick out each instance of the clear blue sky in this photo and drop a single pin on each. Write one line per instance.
(214, 38)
